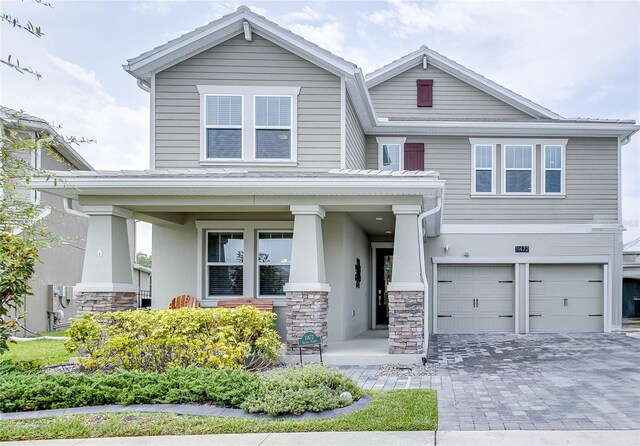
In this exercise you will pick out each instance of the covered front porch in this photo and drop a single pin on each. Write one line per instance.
(309, 242)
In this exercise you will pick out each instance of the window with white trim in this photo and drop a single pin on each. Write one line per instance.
(223, 126)
(225, 263)
(518, 169)
(552, 162)
(483, 169)
(274, 261)
(248, 124)
(273, 127)
(390, 153)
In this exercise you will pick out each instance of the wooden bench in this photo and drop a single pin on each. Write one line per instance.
(260, 304)
(183, 301)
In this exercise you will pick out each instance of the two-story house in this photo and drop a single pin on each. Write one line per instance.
(51, 304)
(421, 198)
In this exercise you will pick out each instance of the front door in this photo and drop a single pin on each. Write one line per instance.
(384, 266)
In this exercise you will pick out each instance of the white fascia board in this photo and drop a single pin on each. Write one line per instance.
(503, 129)
(394, 68)
(361, 100)
(74, 186)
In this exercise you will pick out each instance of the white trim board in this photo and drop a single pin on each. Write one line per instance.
(525, 228)
(506, 260)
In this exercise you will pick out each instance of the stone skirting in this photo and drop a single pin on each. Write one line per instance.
(103, 301)
(406, 321)
(306, 311)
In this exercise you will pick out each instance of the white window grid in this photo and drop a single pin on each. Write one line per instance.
(561, 169)
(257, 253)
(224, 127)
(532, 169)
(272, 127)
(492, 168)
(208, 264)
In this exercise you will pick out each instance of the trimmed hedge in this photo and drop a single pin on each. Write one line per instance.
(39, 391)
(158, 340)
(304, 388)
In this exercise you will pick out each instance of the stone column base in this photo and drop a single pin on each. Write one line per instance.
(103, 301)
(306, 311)
(406, 322)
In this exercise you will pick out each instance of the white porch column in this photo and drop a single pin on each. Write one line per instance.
(406, 291)
(307, 291)
(107, 281)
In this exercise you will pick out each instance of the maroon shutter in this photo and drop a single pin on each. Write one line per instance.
(425, 92)
(413, 156)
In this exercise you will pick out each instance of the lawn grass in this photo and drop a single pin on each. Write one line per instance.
(391, 410)
(45, 352)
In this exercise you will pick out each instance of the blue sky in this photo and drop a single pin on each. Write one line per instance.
(576, 58)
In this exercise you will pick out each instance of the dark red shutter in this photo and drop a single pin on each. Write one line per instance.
(425, 92)
(413, 156)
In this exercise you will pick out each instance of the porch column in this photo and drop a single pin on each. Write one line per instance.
(406, 291)
(307, 291)
(107, 274)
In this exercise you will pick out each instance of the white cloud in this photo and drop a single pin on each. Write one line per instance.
(328, 35)
(72, 97)
(306, 14)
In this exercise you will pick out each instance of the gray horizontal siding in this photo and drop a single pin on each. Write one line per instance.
(452, 98)
(591, 183)
(356, 147)
(256, 63)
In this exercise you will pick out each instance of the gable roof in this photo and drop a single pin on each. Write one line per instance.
(175, 51)
(11, 117)
(464, 74)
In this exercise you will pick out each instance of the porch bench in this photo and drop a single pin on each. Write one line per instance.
(260, 304)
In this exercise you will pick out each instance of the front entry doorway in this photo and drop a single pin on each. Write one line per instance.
(383, 268)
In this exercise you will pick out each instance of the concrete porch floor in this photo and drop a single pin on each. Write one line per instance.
(368, 348)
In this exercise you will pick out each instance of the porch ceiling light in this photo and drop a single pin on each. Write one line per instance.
(387, 232)
(379, 218)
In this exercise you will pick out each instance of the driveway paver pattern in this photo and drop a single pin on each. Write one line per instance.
(528, 382)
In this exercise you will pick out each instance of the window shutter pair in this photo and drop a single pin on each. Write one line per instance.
(425, 92)
(413, 156)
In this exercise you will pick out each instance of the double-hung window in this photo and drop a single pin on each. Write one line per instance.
(273, 127)
(553, 164)
(390, 153)
(483, 169)
(518, 169)
(274, 262)
(223, 126)
(225, 263)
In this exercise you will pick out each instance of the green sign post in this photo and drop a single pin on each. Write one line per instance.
(310, 339)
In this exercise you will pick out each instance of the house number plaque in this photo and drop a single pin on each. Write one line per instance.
(522, 249)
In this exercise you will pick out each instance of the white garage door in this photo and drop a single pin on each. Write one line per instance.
(475, 298)
(566, 298)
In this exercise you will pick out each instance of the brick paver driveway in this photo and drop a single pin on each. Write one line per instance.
(534, 381)
(538, 381)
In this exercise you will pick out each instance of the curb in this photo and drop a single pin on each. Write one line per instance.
(185, 409)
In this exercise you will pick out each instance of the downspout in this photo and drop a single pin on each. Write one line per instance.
(144, 86)
(423, 270)
(69, 209)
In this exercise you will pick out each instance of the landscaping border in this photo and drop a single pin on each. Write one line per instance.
(185, 409)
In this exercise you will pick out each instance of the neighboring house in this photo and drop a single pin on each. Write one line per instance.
(142, 280)
(420, 195)
(631, 280)
(61, 266)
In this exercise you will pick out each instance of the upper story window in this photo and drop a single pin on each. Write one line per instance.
(248, 125)
(553, 169)
(390, 153)
(273, 127)
(518, 169)
(223, 126)
(483, 175)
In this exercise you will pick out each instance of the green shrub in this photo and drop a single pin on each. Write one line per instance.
(11, 367)
(298, 389)
(158, 340)
(24, 392)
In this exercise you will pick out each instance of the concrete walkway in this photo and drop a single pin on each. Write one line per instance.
(420, 438)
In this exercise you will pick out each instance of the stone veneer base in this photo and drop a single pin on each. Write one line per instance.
(306, 311)
(406, 322)
(103, 301)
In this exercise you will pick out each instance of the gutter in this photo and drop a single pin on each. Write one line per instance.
(423, 270)
(143, 85)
